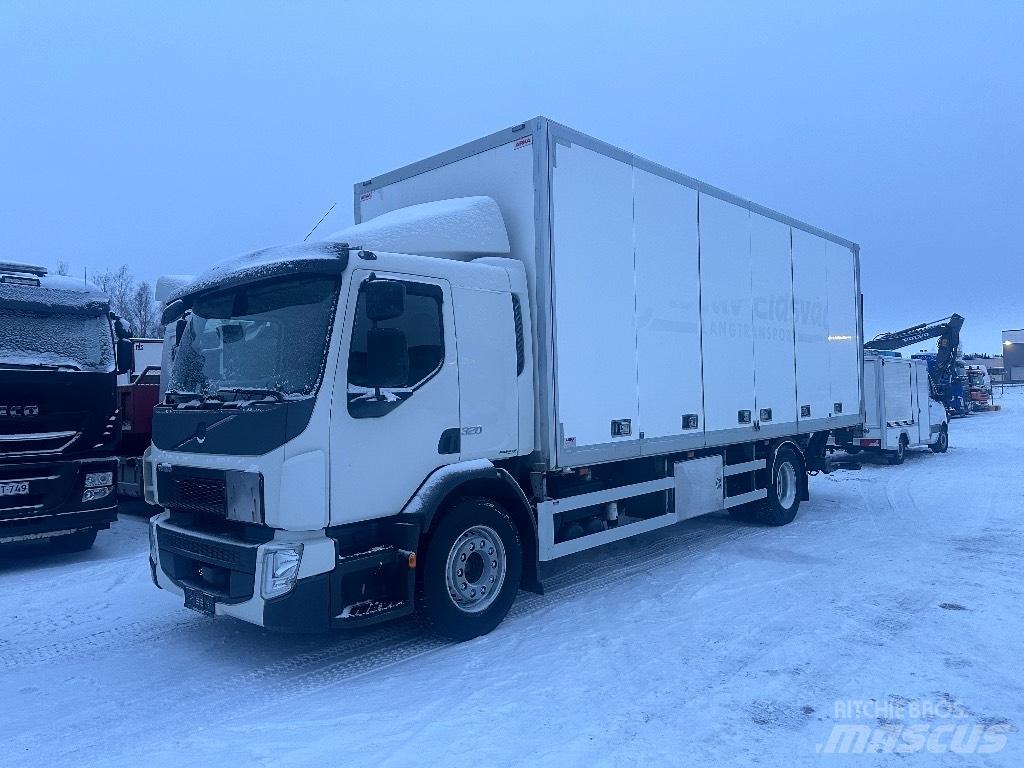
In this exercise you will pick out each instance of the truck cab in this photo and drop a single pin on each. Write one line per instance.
(60, 353)
(316, 396)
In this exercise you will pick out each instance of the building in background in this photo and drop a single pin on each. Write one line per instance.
(1013, 356)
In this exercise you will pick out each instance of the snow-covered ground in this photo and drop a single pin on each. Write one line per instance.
(893, 602)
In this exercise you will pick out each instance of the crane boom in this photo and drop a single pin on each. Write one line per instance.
(947, 331)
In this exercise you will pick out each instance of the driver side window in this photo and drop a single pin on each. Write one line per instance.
(408, 347)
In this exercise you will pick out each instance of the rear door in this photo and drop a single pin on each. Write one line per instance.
(383, 445)
(914, 431)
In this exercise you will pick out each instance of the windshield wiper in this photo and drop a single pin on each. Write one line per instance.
(253, 392)
(176, 396)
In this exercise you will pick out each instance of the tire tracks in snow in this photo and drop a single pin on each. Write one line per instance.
(347, 656)
(123, 636)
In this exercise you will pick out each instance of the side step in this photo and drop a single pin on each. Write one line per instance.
(369, 565)
(698, 486)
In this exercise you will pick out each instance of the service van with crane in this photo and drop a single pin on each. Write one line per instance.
(900, 410)
(947, 377)
(526, 347)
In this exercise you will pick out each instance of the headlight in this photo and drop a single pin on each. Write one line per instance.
(96, 479)
(280, 568)
(95, 494)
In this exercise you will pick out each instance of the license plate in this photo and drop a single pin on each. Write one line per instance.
(13, 489)
(200, 601)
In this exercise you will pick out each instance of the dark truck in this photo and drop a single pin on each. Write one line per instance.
(60, 352)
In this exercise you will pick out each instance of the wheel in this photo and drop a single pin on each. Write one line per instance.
(897, 456)
(942, 444)
(472, 568)
(79, 541)
(783, 501)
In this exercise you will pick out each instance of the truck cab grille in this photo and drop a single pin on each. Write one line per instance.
(35, 443)
(199, 494)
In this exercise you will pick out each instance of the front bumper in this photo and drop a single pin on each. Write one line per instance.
(54, 499)
(344, 580)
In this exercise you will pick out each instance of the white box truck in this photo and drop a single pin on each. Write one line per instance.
(899, 411)
(526, 347)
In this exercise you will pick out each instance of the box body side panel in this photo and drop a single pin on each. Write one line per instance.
(594, 310)
(667, 312)
(772, 297)
(726, 316)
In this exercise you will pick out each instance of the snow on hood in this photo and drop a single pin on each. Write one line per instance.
(460, 226)
(56, 294)
(324, 257)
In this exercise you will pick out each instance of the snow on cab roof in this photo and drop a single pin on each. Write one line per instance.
(319, 257)
(456, 227)
(460, 226)
(55, 293)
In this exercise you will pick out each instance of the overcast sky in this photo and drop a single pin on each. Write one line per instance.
(169, 136)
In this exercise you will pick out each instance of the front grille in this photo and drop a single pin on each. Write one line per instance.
(218, 566)
(225, 554)
(199, 494)
(26, 506)
(35, 443)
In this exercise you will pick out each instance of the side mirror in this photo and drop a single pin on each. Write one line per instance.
(125, 355)
(385, 300)
(119, 330)
(387, 358)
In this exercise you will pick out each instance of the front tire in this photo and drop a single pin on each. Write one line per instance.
(942, 444)
(472, 569)
(79, 541)
(783, 501)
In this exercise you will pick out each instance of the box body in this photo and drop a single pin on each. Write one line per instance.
(668, 315)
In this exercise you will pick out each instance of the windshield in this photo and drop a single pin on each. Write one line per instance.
(81, 342)
(258, 340)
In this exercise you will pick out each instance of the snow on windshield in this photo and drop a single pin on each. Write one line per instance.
(269, 336)
(56, 338)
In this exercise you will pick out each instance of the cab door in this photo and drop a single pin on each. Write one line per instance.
(385, 440)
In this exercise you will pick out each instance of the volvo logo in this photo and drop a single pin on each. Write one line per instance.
(19, 410)
(201, 433)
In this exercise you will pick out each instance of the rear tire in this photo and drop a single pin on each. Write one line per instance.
(896, 457)
(942, 444)
(474, 548)
(79, 541)
(783, 501)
